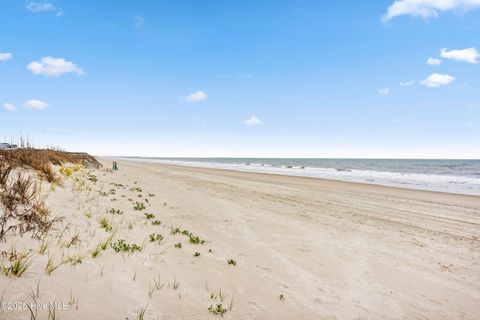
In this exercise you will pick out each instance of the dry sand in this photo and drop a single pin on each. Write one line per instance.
(304, 249)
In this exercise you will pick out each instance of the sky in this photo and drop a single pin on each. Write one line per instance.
(270, 78)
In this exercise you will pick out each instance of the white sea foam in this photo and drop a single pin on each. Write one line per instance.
(432, 182)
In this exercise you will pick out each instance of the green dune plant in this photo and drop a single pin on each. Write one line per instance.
(155, 237)
(115, 211)
(149, 216)
(218, 309)
(122, 246)
(139, 206)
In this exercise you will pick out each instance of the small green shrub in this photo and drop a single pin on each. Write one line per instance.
(149, 215)
(139, 206)
(217, 310)
(122, 246)
(195, 239)
(115, 211)
(232, 262)
(156, 237)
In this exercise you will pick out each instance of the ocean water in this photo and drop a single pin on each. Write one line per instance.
(454, 176)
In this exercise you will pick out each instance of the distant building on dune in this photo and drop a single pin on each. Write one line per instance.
(7, 146)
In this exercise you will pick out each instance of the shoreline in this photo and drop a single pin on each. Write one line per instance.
(419, 194)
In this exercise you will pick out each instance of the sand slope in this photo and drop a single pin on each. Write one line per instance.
(331, 250)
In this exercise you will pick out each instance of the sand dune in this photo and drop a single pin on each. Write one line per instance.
(303, 248)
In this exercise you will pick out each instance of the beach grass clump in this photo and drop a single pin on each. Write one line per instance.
(122, 246)
(156, 222)
(43, 247)
(141, 313)
(19, 263)
(197, 254)
(218, 310)
(103, 245)
(95, 252)
(92, 177)
(74, 259)
(155, 237)
(178, 245)
(139, 206)
(232, 262)
(136, 189)
(50, 267)
(105, 224)
(74, 240)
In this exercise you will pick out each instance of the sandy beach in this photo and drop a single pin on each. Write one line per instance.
(268, 247)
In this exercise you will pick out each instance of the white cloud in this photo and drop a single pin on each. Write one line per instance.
(9, 107)
(196, 97)
(5, 56)
(54, 67)
(383, 91)
(37, 7)
(253, 121)
(433, 61)
(427, 8)
(436, 80)
(407, 83)
(469, 55)
(40, 6)
(35, 104)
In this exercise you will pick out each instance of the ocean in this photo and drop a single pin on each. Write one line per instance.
(454, 176)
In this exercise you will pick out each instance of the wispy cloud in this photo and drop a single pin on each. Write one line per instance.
(9, 107)
(37, 7)
(138, 22)
(54, 67)
(253, 121)
(383, 91)
(436, 80)
(5, 56)
(407, 83)
(434, 61)
(35, 104)
(469, 55)
(196, 97)
(428, 8)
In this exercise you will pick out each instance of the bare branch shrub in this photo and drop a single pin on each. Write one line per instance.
(22, 209)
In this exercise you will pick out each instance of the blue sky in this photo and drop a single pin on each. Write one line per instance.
(243, 78)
